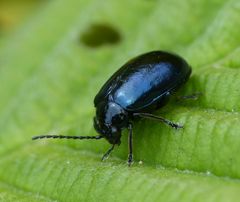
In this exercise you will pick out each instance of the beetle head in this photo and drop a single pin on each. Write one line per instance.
(109, 121)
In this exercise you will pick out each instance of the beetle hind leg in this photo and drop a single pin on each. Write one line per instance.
(158, 118)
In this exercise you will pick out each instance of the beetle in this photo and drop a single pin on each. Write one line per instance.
(142, 85)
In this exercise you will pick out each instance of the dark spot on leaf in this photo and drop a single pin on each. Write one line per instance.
(99, 35)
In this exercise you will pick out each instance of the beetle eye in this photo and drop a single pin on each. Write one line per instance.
(98, 127)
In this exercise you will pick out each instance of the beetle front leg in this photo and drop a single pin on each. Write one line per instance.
(158, 118)
(105, 156)
(130, 146)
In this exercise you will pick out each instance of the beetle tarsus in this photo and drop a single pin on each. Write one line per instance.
(130, 160)
(106, 155)
(176, 126)
(193, 96)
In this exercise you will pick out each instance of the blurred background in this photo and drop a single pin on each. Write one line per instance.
(13, 13)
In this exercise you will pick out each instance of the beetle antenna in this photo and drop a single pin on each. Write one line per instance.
(66, 137)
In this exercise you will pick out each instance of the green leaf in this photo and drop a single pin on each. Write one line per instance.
(49, 77)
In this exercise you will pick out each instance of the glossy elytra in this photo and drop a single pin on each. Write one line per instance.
(142, 85)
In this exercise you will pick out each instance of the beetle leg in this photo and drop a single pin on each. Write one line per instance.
(130, 146)
(158, 118)
(105, 156)
(193, 96)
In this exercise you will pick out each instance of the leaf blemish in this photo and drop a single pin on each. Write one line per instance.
(100, 34)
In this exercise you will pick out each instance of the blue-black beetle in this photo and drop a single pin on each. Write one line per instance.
(143, 84)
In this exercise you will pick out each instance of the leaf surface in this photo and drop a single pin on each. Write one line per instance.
(49, 78)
